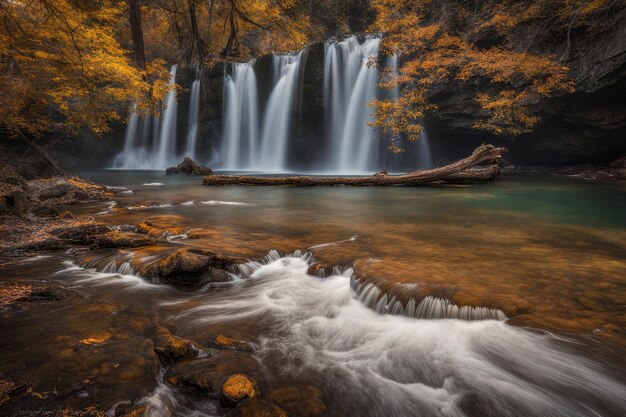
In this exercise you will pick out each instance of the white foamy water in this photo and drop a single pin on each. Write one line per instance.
(390, 365)
(153, 183)
(224, 203)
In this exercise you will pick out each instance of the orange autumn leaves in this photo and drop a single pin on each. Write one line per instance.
(63, 68)
(457, 45)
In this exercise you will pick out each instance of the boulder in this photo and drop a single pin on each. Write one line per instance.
(190, 267)
(171, 349)
(239, 387)
(65, 191)
(225, 342)
(190, 167)
(205, 375)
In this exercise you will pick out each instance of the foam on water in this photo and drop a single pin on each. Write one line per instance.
(443, 367)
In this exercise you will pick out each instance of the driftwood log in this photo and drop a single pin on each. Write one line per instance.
(481, 166)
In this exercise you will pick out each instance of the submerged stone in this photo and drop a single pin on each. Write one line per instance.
(171, 348)
(225, 342)
(239, 387)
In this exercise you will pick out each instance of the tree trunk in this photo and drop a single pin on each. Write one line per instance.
(481, 166)
(197, 44)
(137, 34)
(56, 170)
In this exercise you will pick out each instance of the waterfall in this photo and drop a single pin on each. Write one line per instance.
(166, 149)
(240, 117)
(150, 143)
(421, 149)
(350, 84)
(276, 124)
(192, 126)
(131, 132)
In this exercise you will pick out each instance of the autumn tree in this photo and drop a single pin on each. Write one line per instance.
(63, 67)
(492, 48)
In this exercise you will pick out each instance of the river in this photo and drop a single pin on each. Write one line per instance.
(546, 253)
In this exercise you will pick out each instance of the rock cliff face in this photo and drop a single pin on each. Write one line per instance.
(586, 126)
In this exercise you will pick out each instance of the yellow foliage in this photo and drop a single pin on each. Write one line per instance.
(63, 68)
(439, 49)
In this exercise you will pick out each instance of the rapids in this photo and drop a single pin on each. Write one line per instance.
(400, 319)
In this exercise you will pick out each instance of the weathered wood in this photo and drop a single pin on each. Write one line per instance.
(481, 166)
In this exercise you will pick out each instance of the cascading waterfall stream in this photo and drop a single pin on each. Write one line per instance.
(241, 117)
(260, 137)
(166, 149)
(192, 126)
(280, 108)
(350, 84)
(150, 142)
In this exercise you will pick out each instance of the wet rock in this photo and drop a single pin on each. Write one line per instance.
(190, 267)
(52, 243)
(258, 408)
(171, 348)
(206, 375)
(126, 228)
(10, 391)
(225, 342)
(317, 270)
(239, 387)
(189, 166)
(305, 402)
(46, 294)
(116, 239)
(78, 233)
(66, 191)
(45, 211)
(382, 173)
(137, 411)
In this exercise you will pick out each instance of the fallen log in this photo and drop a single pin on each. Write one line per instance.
(481, 166)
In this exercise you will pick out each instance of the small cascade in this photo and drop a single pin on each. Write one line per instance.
(166, 148)
(426, 308)
(241, 117)
(192, 125)
(349, 86)
(280, 109)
